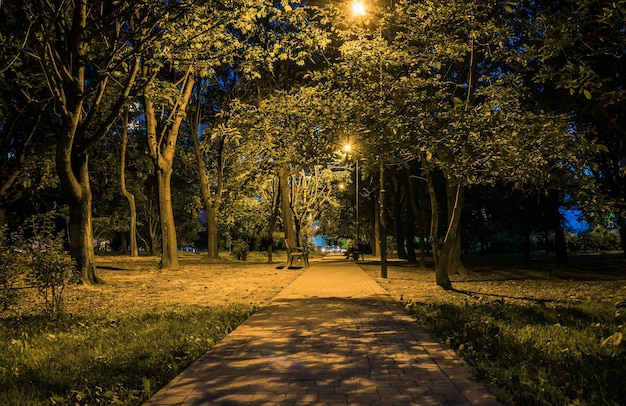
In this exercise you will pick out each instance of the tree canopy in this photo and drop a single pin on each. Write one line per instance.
(247, 102)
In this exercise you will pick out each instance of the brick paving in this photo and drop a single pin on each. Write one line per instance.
(332, 337)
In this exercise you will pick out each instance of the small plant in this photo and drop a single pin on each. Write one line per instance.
(52, 269)
(240, 250)
(11, 267)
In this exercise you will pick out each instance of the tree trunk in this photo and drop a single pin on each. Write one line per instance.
(162, 150)
(73, 173)
(270, 233)
(134, 251)
(621, 226)
(382, 227)
(526, 230)
(440, 258)
(169, 258)
(211, 229)
(289, 223)
(163, 173)
(410, 238)
(455, 196)
(419, 219)
(123, 243)
(397, 219)
(556, 219)
(376, 232)
(211, 200)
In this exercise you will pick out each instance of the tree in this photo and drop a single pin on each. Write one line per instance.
(312, 192)
(24, 113)
(444, 84)
(193, 40)
(577, 49)
(130, 198)
(87, 53)
(293, 131)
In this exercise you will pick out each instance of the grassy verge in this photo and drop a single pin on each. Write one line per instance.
(106, 359)
(535, 353)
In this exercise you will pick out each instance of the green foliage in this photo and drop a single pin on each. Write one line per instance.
(11, 269)
(593, 241)
(118, 359)
(535, 353)
(240, 250)
(51, 267)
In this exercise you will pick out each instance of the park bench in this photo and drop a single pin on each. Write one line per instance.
(299, 253)
(354, 252)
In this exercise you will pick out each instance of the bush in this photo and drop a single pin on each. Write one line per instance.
(240, 250)
(11, 268)
(593, 241)
(52, 269)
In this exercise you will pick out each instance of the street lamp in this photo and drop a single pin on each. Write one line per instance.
(358, 9)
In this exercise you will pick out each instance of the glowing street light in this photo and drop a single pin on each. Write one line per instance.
(358, 8)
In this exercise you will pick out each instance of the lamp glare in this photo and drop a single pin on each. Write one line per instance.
(358, 8)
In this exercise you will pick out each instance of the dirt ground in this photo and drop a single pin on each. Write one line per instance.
(137, 284)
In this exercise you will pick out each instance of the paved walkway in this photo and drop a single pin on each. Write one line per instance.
(332, 337)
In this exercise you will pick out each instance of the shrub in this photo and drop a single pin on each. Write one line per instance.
(11, 268)
(593, 241)
(240, 250)
(52, 269)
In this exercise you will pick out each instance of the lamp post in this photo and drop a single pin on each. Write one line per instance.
(358, 10)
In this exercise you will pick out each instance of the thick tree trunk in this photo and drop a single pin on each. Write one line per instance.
(169, 258)
(81, 240)
(211, 228)
(163, 173)
(455, 196)
(289, 223)
(440, 258)
(162, 150)
(73, 174)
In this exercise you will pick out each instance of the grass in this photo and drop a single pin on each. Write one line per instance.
(106, 358)
(562, 346)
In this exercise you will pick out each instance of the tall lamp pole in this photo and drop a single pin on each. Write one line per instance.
(356, 185)
(358, 9)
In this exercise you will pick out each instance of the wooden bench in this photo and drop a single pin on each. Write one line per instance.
(299, 253)
(354, 253)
